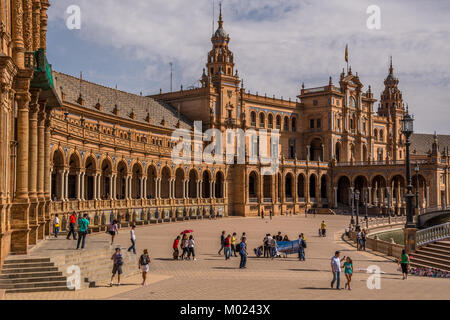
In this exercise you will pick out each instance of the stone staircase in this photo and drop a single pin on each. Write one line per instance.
(31, 275)
(435, 255)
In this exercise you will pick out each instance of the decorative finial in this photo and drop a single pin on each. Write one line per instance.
(330, 83)
(220, 16)
(391, 68)
(303, 85)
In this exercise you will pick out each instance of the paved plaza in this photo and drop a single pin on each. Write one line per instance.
(211, 277)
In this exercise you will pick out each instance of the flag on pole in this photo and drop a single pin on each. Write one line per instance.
(346, 53)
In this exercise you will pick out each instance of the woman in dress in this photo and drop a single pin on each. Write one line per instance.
(348, 270)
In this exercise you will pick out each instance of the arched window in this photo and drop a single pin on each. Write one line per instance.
(375, 134)
(253, 118)
(352, 102)
(294, 124)
(381, 135)
(262, 120)
(270, 120)
(286, 124)
(278, 122)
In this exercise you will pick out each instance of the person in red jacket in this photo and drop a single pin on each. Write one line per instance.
(72, 224)
(176, 242)
(228, 247)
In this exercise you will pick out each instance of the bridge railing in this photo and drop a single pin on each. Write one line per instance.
(435, 233)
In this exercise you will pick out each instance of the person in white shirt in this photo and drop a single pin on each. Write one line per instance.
(191, 245)
(56, 225)
(336, 270)
(133, 240)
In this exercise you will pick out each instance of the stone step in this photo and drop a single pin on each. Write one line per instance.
(433, 254)
(439, 246)
(26, 260)
(27, 265)
(429, 264)
(32, 280)
(30, 275)
(435, 250)
(28, 285)
(29, 270)
(444, 260)
(42, 289)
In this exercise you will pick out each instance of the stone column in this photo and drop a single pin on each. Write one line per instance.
(28, 24)
(18, 46)
(32, 166)
(66, 185)
(369, 192)
(36, 24)
(78, 185)
(142, 194)
(212, 190)
(44, 7)
(185, 187)
(112, 188)
(47, 174)
(428, 197)
(335, 197)
(41, 170)
(200, 193)
(83, 179)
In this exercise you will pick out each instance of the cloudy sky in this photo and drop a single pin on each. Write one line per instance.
(277, 44)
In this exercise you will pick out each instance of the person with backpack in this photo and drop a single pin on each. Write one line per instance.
(243, 253)
(133, 240)
(222, 242)
(83, 224)
(301, 247)
(117, 266)
(228, 247)
(72, 224)
(175, 248)
(113, 229)
(144, 266)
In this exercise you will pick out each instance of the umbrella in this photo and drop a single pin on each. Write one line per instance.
(187, 231)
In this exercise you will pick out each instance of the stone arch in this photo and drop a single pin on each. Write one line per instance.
(179, 183)
(106, 166)
(219, 185)
(270, 120)
(166, 176)
(193, 181)
(286, 123)
(262, 120)
(136, 176)
(361, 183)
(294, 124)
(253, 118)
(316, 149)
(378, 188)
(301, 185)
(289, 185)
(74, 162)
(343, 189)
(253, 179)
(206, 184)
(121, 179)
(312, 186)
(90, 166)
(151, 182)
(267, 186)
(58, 164)
(278, 122)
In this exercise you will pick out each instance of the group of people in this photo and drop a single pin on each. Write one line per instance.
(229, 245)
(187, 246)
(83, 223)
(118, 262)
(361, 238)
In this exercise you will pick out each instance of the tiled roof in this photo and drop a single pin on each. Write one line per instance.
(127, 102)
(422, 143)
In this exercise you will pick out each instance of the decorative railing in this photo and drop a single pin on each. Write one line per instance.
(435, 233)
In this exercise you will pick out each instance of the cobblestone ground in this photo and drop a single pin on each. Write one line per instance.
(211, 277)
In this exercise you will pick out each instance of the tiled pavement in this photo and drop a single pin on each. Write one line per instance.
(211, 277)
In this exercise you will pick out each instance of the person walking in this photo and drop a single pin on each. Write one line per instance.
(404, 263)
(358, 241)
(222, 242)
(117, 266)
(273, 246)
(301, 247)
(72, 225)
(83, 224)
(336, 270)
(56, 225)
(348, 271)
(306, 212)
(176, 252)
(228, 247)
(315, 212)
(243, 253)
(271, 214)
(262, 214)
(363, 240)
(323, 228)
(233, 243)
(133, 239)
(113, 229)
(144, 266)
(191, 250)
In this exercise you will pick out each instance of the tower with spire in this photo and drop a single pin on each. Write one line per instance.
(391, 107)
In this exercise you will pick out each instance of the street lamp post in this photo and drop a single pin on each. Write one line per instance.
(357, 228)
(417, 169)
(352, 220)
(366, 199)
(407, 130)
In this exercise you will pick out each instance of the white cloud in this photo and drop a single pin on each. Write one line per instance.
(280, 43)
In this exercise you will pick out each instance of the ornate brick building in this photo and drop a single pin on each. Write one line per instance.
(69, 144)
